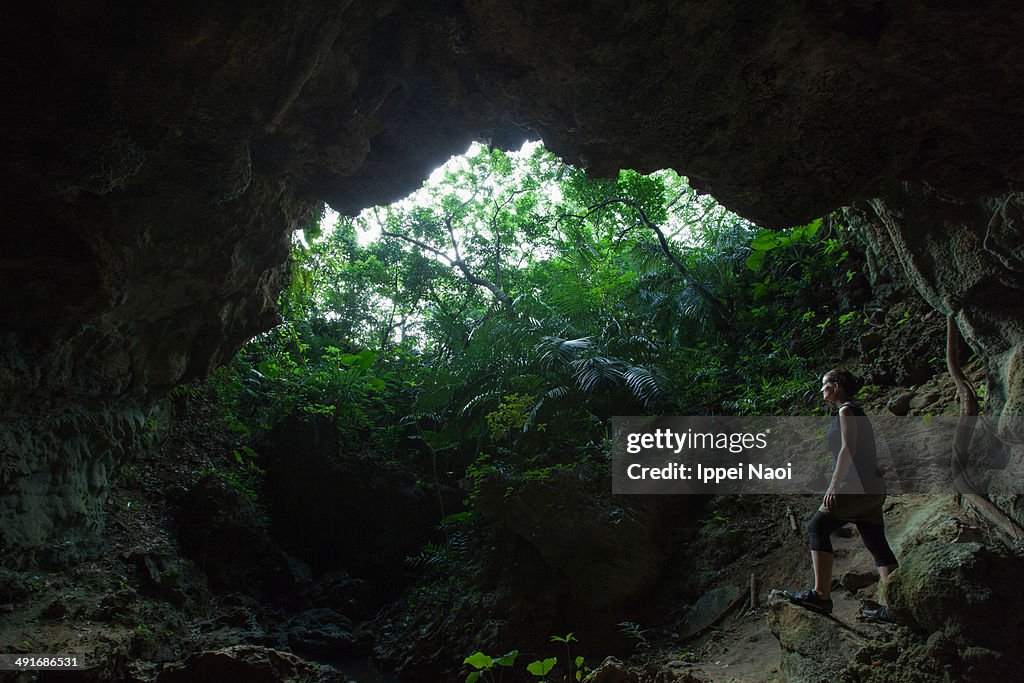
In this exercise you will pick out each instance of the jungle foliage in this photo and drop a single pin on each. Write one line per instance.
(498, 318)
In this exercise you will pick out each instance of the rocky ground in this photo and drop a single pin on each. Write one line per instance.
(727, 640)
(190, 585)
(949, 577)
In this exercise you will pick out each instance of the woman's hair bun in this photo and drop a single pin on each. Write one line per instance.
(850, 383)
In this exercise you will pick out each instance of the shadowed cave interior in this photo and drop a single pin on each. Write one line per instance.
(158, 161)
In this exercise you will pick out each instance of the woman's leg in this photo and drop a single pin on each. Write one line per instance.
(821, 560)
(873, 536)
(819, 531)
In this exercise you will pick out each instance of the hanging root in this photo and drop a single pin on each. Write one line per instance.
(968, 398)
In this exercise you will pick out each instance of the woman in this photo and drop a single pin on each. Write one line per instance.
(855, 494)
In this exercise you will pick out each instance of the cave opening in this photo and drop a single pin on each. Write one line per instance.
(450, 406)
(448, 366)
(446, 221)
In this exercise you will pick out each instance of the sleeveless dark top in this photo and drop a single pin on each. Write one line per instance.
(864, 476)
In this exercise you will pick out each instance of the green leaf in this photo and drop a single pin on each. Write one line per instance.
(755, 260)
(473, 677)
(805, 232)
(268, 369)
(509, 659)
(478, 660)
(766, 240)
(542, 667)
(362, 360)
(457, 517)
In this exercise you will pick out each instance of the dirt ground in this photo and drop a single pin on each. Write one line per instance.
(744, 649)
(740, 646)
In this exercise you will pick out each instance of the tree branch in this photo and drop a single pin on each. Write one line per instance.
(422, 245)
(703, 291)
(456, 263)
(483, 282)
(451, 236)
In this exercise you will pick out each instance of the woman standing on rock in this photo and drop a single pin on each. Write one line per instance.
(856, 493)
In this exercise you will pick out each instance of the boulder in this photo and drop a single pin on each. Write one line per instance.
(969, 591)
(923, 400)
(710, 609)
(223, 531)
(347, 595)
(899, 405)
(611, 670)
(815, 648)
(325, 633)
(854, 581)
(607, 550)
(249, 663)
(162, 575)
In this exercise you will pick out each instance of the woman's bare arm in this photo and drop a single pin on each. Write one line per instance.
(844, 461)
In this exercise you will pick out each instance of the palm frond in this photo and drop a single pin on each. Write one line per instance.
(642, 383)
(590, 373)
(648, 257)
(551, 394)
(557, 350)
(692, 305)
(582, 254)
(493, 396)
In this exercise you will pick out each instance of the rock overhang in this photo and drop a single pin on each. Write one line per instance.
(158, 158)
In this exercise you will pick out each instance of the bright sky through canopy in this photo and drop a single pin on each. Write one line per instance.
(371, 230)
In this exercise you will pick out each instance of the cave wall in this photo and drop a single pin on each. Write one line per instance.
(55, 478)
(157, 157)
(966, 259)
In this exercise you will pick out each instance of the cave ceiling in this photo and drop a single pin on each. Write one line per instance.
(157, 157)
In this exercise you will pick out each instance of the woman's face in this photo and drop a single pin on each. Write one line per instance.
(828, 389)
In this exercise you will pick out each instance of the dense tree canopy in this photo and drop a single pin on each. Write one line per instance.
(503, 313)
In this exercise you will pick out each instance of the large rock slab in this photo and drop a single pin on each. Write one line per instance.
(607, 550)
(710, 609)
(968, 591)
(250, 663)
(815, 648)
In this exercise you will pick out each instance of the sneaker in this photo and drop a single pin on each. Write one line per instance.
(810, 600)
(882, 615)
